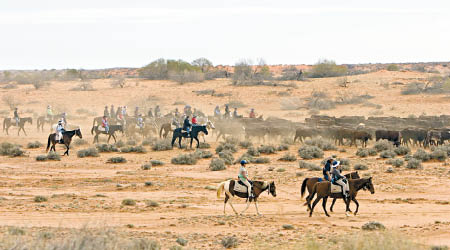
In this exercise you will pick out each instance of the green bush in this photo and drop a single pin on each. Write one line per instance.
(128, 202)
(89, 152)
(283, 147)
(388, 154)
(204, 145)
(372, 152)
(230, 242)
(118, 159)
(41, 158)
(445, 148)
(362, 152)
(203, 154)
(373, 225)
(360, 166)
(131, 143)
(439, 155)
(402, 150)
(106, 148)
(392, 67)
(156, 163)
(185, 159)
(151, 203)
(382, 145)
(395, 162)
(119, 144)
(217, 164)
(80, 142)
(35, 144)
(414, 164)
(226, 156)
(310, 152)
(327, 68)
(421, 155)
(148, 141)
(133, 149)
(245, 144)
(9, 149)
(40, 198)
(147, 166)
(309, 166)
(266, 149)
(260, 160)
(253, 151)
(321, 143)
(53, 156)
(226, 146)
(162, 145)
(288, 157)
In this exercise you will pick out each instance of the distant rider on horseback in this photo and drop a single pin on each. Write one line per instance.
(49, 112)
(187, 125)
(106, 112)
(157, 111)
(136, 112)
(243, 177)
(64, 119)
(16, 116)
(112, 112)
(339, 179)
(194, 120)
(217, 112)
(59, 131)
(150, 113)
(140, 121)
(105, 124)
(252, 113)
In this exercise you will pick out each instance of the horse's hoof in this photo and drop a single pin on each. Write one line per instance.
(346, 214)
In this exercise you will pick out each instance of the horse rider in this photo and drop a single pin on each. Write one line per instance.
(64, 119)
(16, 116)
(326, 170)
(136, 112)
(339, 179)
(49, 112)
(124, 111)
(112, 112)
(227, 112)
(106, 112)
(177, 113)
(217, 112)
(150, 113)
(157, 111)
(187, 110)
(140, 121)
(187, 125)
(105, 124)
(194, 120)
(119, 113)
(59, 131)
(235, 114)
(252, 113)
(243, 177)
(175, 122)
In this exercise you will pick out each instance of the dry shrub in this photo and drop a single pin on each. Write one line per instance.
(310, 152)
(118, 159)
(321, 143)
(217, 164)
(89, 152)
(12, 150)
(288, 157)
(162, 145)
(185, 159)
(309, 166)
(266, 149)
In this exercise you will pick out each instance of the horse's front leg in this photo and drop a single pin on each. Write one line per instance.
(332, 204)
(248, 205)
(191, 140)
(114, 137)
(179, 141)
(324, 205)
(25, 132)
(198, 142)
(357, 205)
(256, 206)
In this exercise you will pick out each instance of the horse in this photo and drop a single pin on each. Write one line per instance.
(258, 188)
(99, 119)
(310, 182)
(111, 132)
(167, 128)
(67, 139)
(323, 190)
(8, 122)
(177, 133)
(209, 125)
(41, 120)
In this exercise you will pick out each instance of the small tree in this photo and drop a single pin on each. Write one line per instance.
(203, 63)
(10, 101)
(242, 72)
(392, 67)
(327, 68)
(118, 82)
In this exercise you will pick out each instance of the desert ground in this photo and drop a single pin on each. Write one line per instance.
(179, 201)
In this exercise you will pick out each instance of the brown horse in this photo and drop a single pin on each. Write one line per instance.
(310, 182)
(41, 120)
(323, 190)
(167, 128)
(258, 188)
(67, 139)
(8, 122)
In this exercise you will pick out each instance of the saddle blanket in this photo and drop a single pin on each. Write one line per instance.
(240, 187)
(101, 128)
(336, 188)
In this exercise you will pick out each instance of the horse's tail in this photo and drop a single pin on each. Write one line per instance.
(220, 189)
(4, 125)
(304, 186)
(92, 130)
(313, 192)
(48, 143)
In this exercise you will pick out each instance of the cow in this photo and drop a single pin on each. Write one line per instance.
(392, 136)
(361, 135)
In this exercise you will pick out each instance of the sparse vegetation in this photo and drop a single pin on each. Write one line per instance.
(89, 152)
(133, 149)
(266, 149)
(147, 166)
(40, 198)
(230, 242)
(395, 162)
(422, 155)
(288, 157)
(309, 166)
(327, 68)
(310, 152)
(226, 156)
(362, 152)
(35, 144)
(402, 150)
(162, 145)
(414, 164)
(12, 150)
(360, 166)
(128, 202)
(382, 145)
(373, 225)
(439, 155)
(321, 143)
(118, 159)
(185, 159)
(217, 164)
(388, 154)
(106, 148)
(156, 163)
(245, 144)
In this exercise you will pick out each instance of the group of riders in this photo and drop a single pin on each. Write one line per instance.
(332, 172)
(227, 114)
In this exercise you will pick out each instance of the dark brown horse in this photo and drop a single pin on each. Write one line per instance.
(67, 139)
(310, 182)
(258, 188)
(111, 132)
(8, 122)
(323, 191)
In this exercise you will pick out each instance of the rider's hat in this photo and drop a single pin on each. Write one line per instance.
(336, 163)
(243, 162)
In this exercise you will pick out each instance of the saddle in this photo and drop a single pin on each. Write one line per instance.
(335, 188)
(101, 128)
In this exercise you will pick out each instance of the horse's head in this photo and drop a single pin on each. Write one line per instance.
(369, 185)
(78, 133)
(120, 128)
(354, 175)
(204, 130)
(272, 189)
(31, 120)
(210, 124)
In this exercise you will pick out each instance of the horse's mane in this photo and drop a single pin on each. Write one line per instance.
(261, 184)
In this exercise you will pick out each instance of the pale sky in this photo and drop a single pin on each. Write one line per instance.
(89, 34)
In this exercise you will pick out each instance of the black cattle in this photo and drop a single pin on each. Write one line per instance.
(415, 137)
(392, 136)
(363, 136)
(434, 137)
